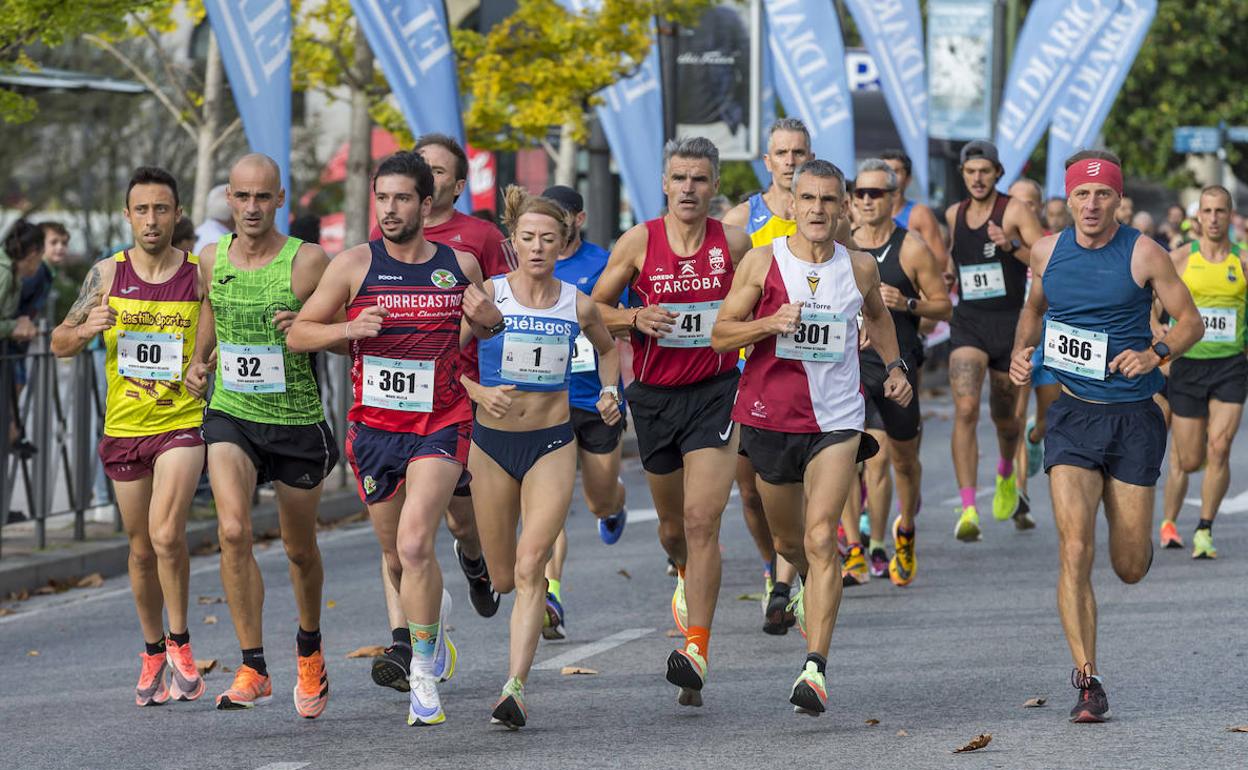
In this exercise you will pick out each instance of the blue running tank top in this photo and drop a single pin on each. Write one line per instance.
(902, 218)
(535, 351)
(1095, 305)
(582, 270)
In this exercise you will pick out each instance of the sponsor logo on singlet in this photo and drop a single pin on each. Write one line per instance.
(812, 281)
(759, 409)
(443, 278)
(148, 318)
(716, 259)
(990, 250)
(382, 277)
(526, 323)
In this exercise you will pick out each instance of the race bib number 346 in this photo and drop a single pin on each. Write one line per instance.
(406, 386)
(1075, 350)
(692, 327)
(253, 368)
(149, 356)
(1219, 323)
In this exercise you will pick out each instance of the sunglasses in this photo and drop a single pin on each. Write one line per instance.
(874, 193)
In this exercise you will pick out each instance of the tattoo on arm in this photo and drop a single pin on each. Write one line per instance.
(88, 297)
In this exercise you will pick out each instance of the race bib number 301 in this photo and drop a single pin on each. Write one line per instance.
(540, 359)
(985, 281)
(149, 356)
(405, 386)
(1075, 350)
(1220, 323)
(253, 368)
(692, 327)
(819, 337)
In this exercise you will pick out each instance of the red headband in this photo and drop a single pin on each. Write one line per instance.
(1094, 170)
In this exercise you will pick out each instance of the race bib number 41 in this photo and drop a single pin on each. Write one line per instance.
(405, 386)
(692, 327)
(1075, 350)
(253, 368)
(540, 359)
(149, 356)
(985, 281)
(1220, 323)
(819, 337)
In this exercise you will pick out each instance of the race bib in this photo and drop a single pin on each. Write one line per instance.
(149, 356)
(1219, 323)
(692, 327)
(583, 355)
(1074, 350)
(983, 281)
(819, 337)
(253, 368)
(405, 386)
(540, 359)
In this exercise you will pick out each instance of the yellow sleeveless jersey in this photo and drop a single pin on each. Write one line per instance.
(1219, 293)
(148, 351)
(763, 226)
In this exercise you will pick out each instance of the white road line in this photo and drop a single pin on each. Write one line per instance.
(649, 514)
(593, 648)
(283, 766)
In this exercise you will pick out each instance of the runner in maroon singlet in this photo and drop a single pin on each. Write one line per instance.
(678, 269)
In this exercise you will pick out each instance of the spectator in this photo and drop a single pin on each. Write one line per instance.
(184, 234)
(20, 259)
(218, 221)
(1126, 210)
(719, 206)
(1143, 221)
(55, 244)
(306, 228)
(1056, 215)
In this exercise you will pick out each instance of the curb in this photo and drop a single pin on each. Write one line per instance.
(109, 557)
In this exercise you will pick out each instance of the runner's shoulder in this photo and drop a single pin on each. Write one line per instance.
(1041, 250)
(739, 241)
(633, 242)
(738, 215)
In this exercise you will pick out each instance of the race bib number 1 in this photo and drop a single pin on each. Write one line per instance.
(1074, 350)
(253, 368)
(405, 386)
(583, 355)
(540, 359)
(692, 327)
(149, 356)
(1220, 323)
(819, 337)
(985, 281)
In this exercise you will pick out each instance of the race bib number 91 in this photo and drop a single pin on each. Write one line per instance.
(405, 386)
(985, 281)
(253, 368)
(149, 356)
(692, 327)
(1074, 350)
(540, 359)
(819, 337)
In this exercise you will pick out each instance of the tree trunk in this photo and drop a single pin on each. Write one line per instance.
(565, 162)
(360, 147)
(208, 130)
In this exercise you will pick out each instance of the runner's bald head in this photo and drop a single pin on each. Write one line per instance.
(257, 166)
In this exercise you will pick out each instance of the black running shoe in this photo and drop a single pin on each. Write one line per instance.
(777, 620)
(391, 668)
(1022, 517)
(1093, 704)
(480, 590)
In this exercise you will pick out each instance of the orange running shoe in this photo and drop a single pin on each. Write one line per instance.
(250, 689)
(312, 686)
(1170, 535)
(185, 682)
(152, 689)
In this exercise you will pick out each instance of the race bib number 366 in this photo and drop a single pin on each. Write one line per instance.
(149, 356)
(405, 386)
(819, 337)
(253, 368)
(692, 327)
(1074, 350)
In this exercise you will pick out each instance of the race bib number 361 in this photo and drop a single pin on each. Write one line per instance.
(819, 337)
(692, 327)
(1075, 350)
(149, 356)
(253, 368)
(405, 386)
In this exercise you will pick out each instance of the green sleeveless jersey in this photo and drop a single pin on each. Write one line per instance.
(258, 378)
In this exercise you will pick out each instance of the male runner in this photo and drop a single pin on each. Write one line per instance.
(146, 301)
(1027, 456)
(1209, 383)
(912, 288)
(987, 231)
(799, 406)
(408, 444)
(678, 269)
(912, 215)
(265, 423)
(1106, 437)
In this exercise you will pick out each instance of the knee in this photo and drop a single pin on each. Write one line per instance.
(1219, 450)
(415, 551)
(671, 535)
(701, 524)
(142, 557)
(302, 555)
(752, 501)
(820, 542)
(234, 534)
(966, 410)
(1191, 462)
(906, 463)
(1132, 569)
(788, 547)
(531, 569)
(169, 542)
(1077, 555)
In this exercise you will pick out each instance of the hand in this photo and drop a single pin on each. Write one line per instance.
(786, 318)
(654, 321)
(24, 330)
(1135, 363)
(480, 309)
(893, 298)
(897, 388)
(496, 399)
(950, 279)
(197, 379)
(100, 318)
(1020, 366)
(608, 409)
(864, 339)
(997, 236)
(283, 320)
(367, 323)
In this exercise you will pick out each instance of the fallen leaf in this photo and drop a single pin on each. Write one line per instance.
(45, 590)
(750, 597)
(1034, 703)
(873, 722)
(331, 604)
(371, 651)
(903, 734)
(673, 633)
(1238, 729)
(976, 743)
(571, 670)
(33, 653)
(210, 620)
(5, 612)
(19, 596)
(94, 580)
(227, 669)
(624, 574)
(211, 600)
(205, 665)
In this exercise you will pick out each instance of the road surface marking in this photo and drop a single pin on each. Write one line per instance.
(577, 654)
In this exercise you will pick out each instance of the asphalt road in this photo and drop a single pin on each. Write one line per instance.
(954, 655)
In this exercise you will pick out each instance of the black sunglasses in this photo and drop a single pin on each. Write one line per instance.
(874, 193)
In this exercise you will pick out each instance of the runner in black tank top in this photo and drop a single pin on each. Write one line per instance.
(912, 287)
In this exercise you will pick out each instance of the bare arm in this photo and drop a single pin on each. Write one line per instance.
(739, 243)
(924, 272)
(90, 313)
(608, 355)
(878, 324)
(480, 312)
(206, 334)
(306, 271)
(316, 328)
(738, 215)
(731, 330)
(1150, 264)
(923, 224)
(623, 264)
(1031, 316)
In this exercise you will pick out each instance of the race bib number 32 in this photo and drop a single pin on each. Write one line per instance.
(253, 368)
(819, 337)
(405, 386)
(985, 281)
(149, 356)
(1074, 350)
(540, 359)
(692, 327)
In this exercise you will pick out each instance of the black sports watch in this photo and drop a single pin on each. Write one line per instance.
(898, 364)
(912, 305)
(1163, 352)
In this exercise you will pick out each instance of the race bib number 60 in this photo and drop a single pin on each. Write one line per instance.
(149, 356)
(819, 337)
(1075, 350)
(405, 386)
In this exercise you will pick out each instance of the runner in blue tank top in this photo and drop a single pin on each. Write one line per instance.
(1092, 291)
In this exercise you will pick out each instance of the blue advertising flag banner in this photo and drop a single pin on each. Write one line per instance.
(960, 79)
(893, 33)
(1056, 37)
(767, 107)
(254, 37)
(808, 54)
(1091, 90)
(411, 42)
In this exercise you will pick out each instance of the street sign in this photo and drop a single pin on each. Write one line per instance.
(1237, 134)
(1197, 139)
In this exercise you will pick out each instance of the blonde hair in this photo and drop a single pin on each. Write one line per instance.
(517, 202)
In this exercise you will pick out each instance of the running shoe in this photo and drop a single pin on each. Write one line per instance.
(671, 568)
(680, 611)
(1022, 517)
(797, 606)
(779, 618)
(864, 525)
(445, 655)
(1035, 449)
(552, 628)
(249, 689)
(879, 562)
(610, 528)
(424, 707)
(686, 668)
(1093, 704)
(185, 682)
(810, 691)
(855, 571)
(967, 529)
(392, 667)
(842, 542)
(769, 584)
(311, 685)
(1202, 545)
(509, 710)
(903, 565)
(152, 690)
(480, 590)
(1170, 535)
(1005, 499)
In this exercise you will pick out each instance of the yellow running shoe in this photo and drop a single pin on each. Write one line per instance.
(967, 529)
(903, 565)
(311, 686)
(686, 668)
(680, 611)
(1005, 499)
(810, 691)
(250, 689)
(855, 572)
(1202, 545)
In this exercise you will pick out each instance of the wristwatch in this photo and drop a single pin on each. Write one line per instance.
(898, 364)
(611, 390)
(1163, 352)
(912, 305)
(498, 328)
